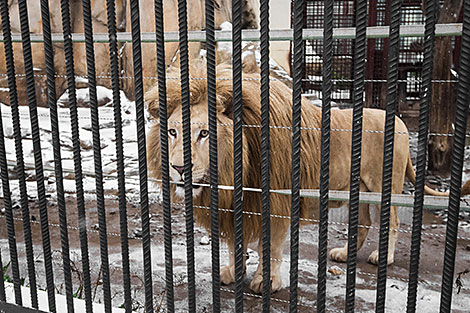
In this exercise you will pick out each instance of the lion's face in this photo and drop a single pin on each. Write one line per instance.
(199, 148)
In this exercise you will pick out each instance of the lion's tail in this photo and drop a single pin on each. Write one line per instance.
(411, 175)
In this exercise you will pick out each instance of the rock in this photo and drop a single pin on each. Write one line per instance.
(336, 270)
(204, 240)
(86, 144)
(138, 232)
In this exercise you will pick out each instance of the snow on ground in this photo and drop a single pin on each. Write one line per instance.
(107, 144)
(61, 302)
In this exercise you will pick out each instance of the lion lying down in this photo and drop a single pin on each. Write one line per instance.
(281, 111)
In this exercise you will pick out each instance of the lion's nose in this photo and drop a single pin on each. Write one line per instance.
(179, 169)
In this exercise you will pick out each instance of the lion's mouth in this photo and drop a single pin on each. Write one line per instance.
(196, 185)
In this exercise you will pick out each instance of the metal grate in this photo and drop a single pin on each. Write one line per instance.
(349, 71)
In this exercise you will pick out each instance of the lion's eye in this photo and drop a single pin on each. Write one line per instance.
(172, 132)
(204, 133)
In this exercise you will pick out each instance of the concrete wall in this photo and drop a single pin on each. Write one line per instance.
(280, 18)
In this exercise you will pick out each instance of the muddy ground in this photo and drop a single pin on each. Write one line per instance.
(430, 265)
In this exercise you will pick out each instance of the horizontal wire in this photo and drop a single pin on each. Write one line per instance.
(336, 80)
(67, 116)
(404, 231)
(319, 129)
(401, 201)
(139, 274)
(252, 295)
(226, 251)
(221, 187)
(317, 221)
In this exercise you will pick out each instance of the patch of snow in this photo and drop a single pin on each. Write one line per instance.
(107, 145)
(225, 45)
(81, 79)
(61, 301)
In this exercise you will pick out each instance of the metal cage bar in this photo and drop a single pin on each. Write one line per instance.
(265, 156)
(28, 241)
(385, 207)
(170, 303)
(3, 297)
(239, 248)
(188, 177)
(77, 160)
(90, 60)
(114, 63)
(360, 48)
(52, 104)
(4, 170)
(142, 155)
(457, 163)
(327, 73)
(297, 66)
(432, 7)
(31, 91)
(213, 160)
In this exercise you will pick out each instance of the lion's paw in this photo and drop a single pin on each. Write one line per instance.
(256, 284)
(374, 258)
(227, 275)
(338, 255)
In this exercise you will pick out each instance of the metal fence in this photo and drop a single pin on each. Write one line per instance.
(294, 302)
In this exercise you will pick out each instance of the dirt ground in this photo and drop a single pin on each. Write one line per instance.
(433, 242)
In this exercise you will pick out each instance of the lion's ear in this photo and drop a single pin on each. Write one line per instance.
(151, 98)
(224, 98)
(251, 97)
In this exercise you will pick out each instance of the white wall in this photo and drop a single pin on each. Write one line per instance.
(280, 18)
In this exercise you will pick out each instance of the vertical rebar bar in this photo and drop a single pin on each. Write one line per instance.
(161, 68)
(188, 177)
(297, 72)
(28, 241)
(142, 155)
(90, 59)
(392, 82)
(265, 156)
(360, 46)
(77, 160)
(327, 73)
(52, 104)
(425, 95)
(6, 184)
(3, 296)
(214, 179)
(457, 163)
(114, 62)
(33, 115)
(237, 152)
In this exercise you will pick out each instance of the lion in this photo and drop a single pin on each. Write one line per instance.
(280, 140)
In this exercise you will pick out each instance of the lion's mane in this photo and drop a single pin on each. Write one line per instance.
(280, 153)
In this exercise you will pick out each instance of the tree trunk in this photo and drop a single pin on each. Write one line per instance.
(443, 94)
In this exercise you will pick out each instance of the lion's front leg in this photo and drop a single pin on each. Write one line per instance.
(227, 273)
(277, 242)
(341, 254)
(393, 236)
